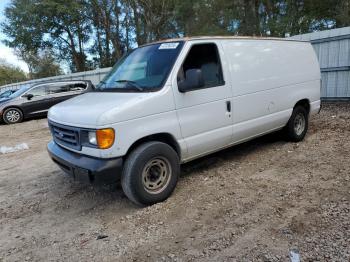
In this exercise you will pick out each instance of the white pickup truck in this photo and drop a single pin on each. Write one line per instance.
(169, 102)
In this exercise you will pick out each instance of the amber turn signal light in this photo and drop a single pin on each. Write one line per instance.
(105, 138)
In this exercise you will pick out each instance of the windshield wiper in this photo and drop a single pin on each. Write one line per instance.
(133, 83)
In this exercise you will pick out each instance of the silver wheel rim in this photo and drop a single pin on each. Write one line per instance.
(156, 175)
(13, 116)
(299, 124)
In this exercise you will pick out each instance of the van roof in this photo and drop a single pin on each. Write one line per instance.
(191, 38)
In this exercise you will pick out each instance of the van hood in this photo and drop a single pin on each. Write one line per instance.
(104, 108)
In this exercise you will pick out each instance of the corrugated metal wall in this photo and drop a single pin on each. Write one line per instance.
(333, 50)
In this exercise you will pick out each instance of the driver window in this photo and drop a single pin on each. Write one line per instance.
(38, 91)
(206, 58)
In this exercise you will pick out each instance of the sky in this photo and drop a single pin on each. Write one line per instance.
(6, 52)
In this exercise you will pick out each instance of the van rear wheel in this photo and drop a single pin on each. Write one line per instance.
(150, 173)
(297, 125)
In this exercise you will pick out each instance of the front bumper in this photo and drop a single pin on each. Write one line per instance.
(85, 168)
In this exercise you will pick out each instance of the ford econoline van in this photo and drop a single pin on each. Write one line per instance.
(170, 102)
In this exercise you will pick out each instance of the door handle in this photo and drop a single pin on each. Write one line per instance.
(228, 106)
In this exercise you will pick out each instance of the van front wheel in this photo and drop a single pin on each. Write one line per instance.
(298, 124)
(150, 173)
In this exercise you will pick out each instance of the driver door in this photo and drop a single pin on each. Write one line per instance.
(37, 105)
(205, 113)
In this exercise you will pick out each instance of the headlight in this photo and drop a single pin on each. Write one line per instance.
(92, 138)
(101, 138)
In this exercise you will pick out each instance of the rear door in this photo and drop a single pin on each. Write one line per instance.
(204, 114)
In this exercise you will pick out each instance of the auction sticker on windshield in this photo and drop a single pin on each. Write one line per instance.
(168, 46)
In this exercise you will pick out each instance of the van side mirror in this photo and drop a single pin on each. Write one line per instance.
(193, 80)
(28, 96)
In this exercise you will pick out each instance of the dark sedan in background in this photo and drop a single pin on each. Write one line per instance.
(35, 100)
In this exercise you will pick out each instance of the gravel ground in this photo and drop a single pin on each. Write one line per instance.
(253, 202)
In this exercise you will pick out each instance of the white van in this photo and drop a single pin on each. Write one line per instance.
(169, 102)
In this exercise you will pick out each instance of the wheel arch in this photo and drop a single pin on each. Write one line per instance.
(160, 137)
(13, 106)
(304, 103)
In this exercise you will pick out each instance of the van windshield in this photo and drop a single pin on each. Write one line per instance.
(143, 69)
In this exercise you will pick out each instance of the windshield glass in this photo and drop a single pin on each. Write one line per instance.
(6, 93)
(20, 91)
(143, 69)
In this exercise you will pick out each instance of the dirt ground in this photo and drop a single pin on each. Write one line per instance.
(253, 202)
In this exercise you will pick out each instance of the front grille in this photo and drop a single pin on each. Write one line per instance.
(66, 135)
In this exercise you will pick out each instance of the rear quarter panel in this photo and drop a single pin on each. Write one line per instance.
(268, 77)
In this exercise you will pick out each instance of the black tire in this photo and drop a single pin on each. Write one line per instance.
(12, 116)
(142, 165)
(297, 125)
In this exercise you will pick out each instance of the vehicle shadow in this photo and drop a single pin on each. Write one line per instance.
(110, 196)
(234, 153)
(231, 153)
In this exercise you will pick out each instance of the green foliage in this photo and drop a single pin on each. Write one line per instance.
(342, 17)
(95, 33)
(68, 29)
(10, 74)
(34, 25)
(24, 28)
(44, 65)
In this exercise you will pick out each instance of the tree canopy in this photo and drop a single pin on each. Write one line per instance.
(95, 33)
(10, 74)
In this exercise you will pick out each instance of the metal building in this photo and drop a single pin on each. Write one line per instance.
(333, 50)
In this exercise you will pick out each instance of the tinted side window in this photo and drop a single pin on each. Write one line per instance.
(56, 89)
(38, 91)
(78, 87)
(206, 58)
